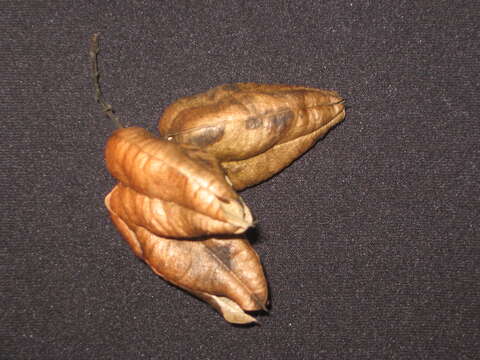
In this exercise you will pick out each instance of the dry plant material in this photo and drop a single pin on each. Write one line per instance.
(164, 171)
(167, 200)
(225, 272)
(175, 202)
(255, 130)
(164, 218)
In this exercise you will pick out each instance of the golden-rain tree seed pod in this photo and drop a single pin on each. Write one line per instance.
(225, 272)
(255, 130)
(168, 204)
(162, 170)
(175, 194)
(164, 218)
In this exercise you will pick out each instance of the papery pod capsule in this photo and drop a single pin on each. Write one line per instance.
(225, 272)
(169, 200)
(238, 122)
(258, 168)
(164, 218)
(183, 175)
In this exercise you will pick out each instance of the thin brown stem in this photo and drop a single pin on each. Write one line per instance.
(106, 107)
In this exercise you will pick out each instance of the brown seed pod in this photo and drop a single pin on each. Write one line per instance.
(162, 170)
(173, 195)
(168, 191)
(255, 130)
(224, 272)
(163, 218)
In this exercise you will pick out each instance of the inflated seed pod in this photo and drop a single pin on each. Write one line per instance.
(258, 168)
(164, 218)
(225, 272)
(185, 176)
(248, 124)
(169, 200)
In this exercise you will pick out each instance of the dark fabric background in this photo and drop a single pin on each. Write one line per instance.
(370, 241)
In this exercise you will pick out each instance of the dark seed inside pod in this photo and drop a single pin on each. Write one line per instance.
(207, 136)
(253, 122)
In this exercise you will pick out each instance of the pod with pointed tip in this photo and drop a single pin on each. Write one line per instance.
(186, 176)
(164, 218)
(255, 130)
(225, 272)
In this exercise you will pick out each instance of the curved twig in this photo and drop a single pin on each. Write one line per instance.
(106, 107)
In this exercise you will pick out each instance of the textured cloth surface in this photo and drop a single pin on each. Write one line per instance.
(370, 241)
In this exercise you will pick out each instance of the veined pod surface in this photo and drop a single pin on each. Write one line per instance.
(225, 272)
(172, 202)
(164, 218)
(248, 124)
(184, 175)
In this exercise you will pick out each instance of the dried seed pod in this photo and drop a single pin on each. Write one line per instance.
(224, 272)
(163, 218)
(245, 173)
(186, 176)
(181, 191)
(245, 124)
